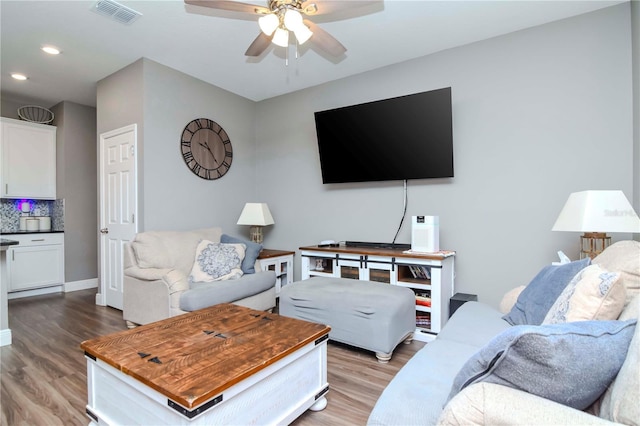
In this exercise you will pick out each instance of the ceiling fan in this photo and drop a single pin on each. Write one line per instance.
(281, 17)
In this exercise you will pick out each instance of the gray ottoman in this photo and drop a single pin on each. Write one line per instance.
(365, 314)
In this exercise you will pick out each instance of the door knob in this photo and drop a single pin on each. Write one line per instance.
(104, 231)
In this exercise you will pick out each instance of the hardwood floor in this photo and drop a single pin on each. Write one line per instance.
(44, 381)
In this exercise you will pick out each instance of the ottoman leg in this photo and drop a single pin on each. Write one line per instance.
(383, 358)
(408, 339)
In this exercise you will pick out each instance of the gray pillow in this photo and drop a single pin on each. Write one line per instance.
(537, 298)
(570, 363)
(250, 255)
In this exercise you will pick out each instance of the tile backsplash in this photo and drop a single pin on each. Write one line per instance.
(10, 213)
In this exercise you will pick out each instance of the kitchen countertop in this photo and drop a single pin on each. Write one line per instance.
(32, 232)
(4, 242)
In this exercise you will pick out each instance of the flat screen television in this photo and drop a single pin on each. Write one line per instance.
(407, 137)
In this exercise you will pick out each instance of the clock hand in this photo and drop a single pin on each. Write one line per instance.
(206, 145)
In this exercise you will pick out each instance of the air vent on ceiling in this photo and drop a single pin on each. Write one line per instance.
(116, 11)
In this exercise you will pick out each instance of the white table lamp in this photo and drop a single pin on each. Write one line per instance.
(595, 213)
(256, 215)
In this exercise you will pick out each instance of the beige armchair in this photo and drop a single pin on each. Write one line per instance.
(156, 269)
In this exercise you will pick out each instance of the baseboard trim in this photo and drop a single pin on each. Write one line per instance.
(80, 285)
(100, 300)
(5, 337)
(35, 292)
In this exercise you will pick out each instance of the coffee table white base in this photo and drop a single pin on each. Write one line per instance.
(278, 394)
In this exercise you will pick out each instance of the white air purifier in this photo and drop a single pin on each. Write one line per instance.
(425, 234)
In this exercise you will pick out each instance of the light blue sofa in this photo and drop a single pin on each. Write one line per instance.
(419, 393)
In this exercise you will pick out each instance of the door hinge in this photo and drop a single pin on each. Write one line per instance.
(133, 218)
(132, 150)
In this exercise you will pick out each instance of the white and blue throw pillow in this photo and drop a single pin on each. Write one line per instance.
(541, 293)
(217, 262)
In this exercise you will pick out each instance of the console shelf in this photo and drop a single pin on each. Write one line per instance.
(430, 276)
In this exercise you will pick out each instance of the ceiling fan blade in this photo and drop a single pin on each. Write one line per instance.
(324, 40)
(259, 45)
(319, 7)
(233, 6)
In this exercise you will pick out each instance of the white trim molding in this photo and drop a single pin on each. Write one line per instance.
(81, 285)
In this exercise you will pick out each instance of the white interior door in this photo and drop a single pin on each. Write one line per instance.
(118, 208)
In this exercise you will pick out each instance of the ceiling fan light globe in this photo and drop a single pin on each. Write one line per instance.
(268, 23)
(303, 34)
(281, 37)
(292, 20)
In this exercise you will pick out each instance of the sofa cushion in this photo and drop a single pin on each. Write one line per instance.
(251, 254)
(217, 262)
(475, 324)
(620, 402)
(203, 295)
(540, 294)
(571, 363)
(170, 249)
(623, 257)
(419, 390)
(593, 294)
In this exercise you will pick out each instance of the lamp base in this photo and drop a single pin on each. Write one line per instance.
(255, 234)
(593, 243)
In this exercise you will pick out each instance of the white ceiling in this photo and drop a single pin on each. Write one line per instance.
(211, 47)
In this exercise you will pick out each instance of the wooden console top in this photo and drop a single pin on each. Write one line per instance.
(191, 358)
(373, 251)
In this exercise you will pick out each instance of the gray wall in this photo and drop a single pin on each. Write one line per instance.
(162, 101)
(537, 114)
(76, 175)
(174, 197)
(635, 40)
(119, 103)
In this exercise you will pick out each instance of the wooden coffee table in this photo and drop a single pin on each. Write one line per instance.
(226, 364)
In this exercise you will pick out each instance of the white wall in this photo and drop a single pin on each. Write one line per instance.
(537, 114)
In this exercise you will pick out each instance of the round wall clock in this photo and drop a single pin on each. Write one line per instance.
(206, 148)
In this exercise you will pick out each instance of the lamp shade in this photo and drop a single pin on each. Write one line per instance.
(281, 37)
(255, 214)
(268, 23)
(303, 33)
(597, 211)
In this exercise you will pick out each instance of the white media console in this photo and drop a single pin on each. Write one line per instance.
(429, 275)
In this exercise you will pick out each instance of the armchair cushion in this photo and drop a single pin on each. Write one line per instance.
(537, 298)
(170, 249)
(251, 253)
(571, 363)
(491, 404)
(202, 295)
(217, 262)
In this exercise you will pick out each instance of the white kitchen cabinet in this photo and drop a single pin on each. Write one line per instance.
(36, 262)
(28, 158)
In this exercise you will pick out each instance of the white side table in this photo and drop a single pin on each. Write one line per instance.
(279, 261)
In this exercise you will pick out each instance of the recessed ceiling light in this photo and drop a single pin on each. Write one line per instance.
(18, 76)
(51, 50)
